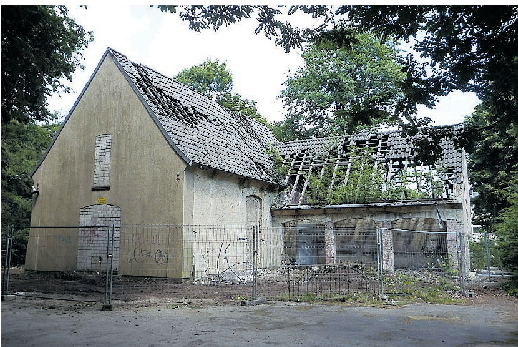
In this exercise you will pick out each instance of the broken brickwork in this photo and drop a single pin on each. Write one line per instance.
(102, 161)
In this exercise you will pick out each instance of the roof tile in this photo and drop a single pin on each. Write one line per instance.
(202, 130)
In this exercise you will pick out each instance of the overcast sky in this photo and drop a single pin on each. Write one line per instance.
(163, 42)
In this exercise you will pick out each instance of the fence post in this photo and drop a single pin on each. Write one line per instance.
(289, 281)
(109, 269)
(379, 240)
(254, 261)
(8, 253)
(111, 260)
(462, 262)
(488, 255)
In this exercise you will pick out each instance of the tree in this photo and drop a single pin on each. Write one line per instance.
(507, 230)
(493, 163)
(340, 88)
(469, 48)
(40, 50)
(493, 168)
(472, 48)
(22, 147)
(212, 79)
(285, 35)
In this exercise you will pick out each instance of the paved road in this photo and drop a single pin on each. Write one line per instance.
(263, 325)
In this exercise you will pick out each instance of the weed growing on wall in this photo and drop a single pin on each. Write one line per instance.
(279, 170)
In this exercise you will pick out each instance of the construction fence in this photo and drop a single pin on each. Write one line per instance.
(123, 262)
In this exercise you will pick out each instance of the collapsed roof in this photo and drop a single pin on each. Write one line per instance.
(391, 154)
(207, 135)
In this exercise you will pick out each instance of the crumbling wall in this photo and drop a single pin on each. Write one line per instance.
(217, 205)
(219, 198)
(412, 236)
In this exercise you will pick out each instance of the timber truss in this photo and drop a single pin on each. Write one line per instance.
(391, 157)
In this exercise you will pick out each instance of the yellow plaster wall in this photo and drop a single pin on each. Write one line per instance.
(146, 179)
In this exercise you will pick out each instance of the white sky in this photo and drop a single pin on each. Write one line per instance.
(164, 42)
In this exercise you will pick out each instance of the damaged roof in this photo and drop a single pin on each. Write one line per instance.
(390, 149)
(207, 135)
(201, 131)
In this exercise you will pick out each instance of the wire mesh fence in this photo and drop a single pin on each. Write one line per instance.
(129, 262)
(485, 258)
(424, 264)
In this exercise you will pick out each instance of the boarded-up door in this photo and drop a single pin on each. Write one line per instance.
(253, 211)
(93, 242)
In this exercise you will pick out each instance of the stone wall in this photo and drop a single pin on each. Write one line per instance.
(412, 236)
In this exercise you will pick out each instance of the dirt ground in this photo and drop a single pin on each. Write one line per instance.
(67, 310)
(89, 289)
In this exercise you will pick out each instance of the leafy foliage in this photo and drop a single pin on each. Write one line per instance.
(493, 163)
(471, 48)
(283, 32)
(212, 79)
(507, 230)
(363, 180)
(493, 166)
(511, 287)
(22, 147)
(40, 49)
(468, 48)
(341, 88)
(360, 182)
(278, 168)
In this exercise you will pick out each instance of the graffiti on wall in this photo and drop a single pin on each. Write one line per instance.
(148, 249)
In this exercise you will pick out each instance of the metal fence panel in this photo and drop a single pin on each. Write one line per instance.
(309, 260)
(415, 250)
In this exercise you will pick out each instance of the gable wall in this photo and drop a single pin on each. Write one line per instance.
(146, 175)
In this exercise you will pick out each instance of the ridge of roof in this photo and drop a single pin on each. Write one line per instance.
(393, 136)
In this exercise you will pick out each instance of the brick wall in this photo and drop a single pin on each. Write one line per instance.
(93, 242)
(103, 145)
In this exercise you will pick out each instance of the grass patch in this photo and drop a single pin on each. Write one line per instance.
(399, 289)
(422, 287)
(363, 299)
(511, 286)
